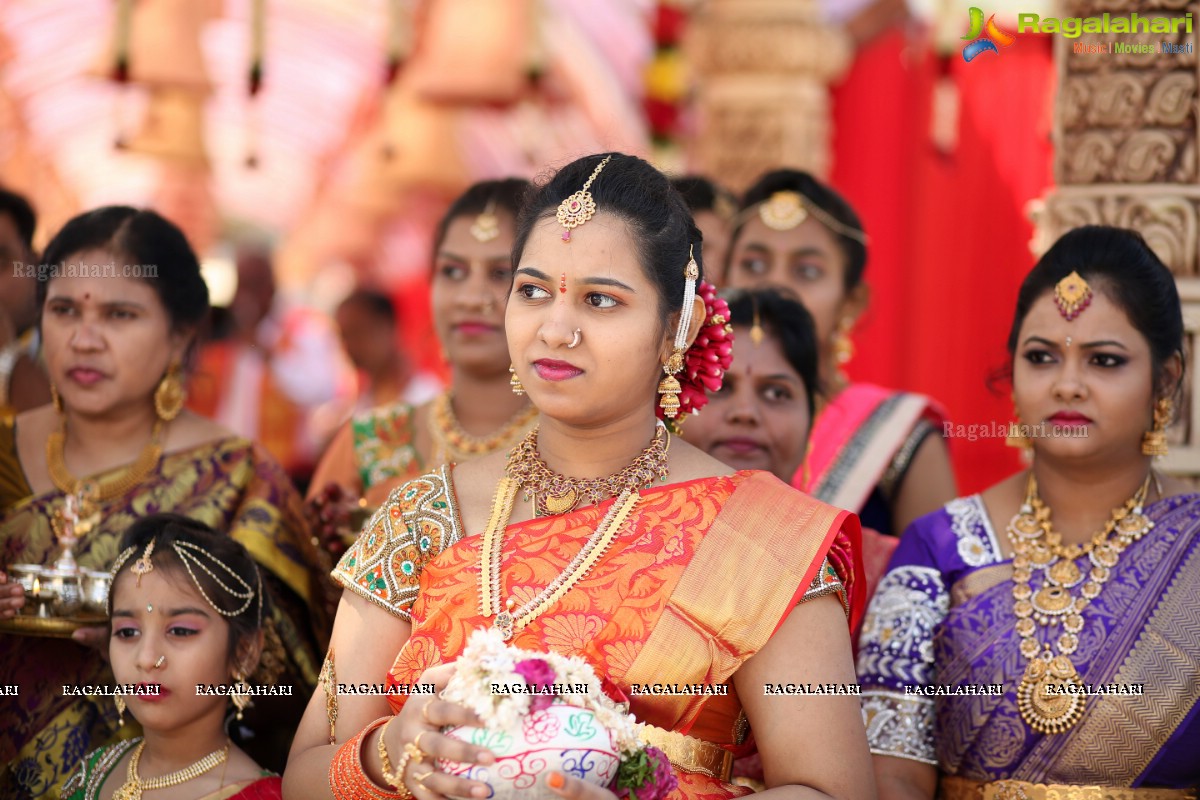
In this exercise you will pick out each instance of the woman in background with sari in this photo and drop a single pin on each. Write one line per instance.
(715, 577)
(121, 296)
(479, 414)
(876, 451)
(1081, 572)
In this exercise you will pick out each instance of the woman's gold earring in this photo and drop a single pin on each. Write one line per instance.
(1016, 437)
(843, 346)
(56, 399)
(1154, 441)
(515, 382)
(119, 702)
(169, 396)
(669, 386)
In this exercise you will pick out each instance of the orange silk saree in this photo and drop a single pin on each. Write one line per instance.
(699, 578)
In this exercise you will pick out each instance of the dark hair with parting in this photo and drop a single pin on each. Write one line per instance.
(705, 194)
(18, 208)
(821, 195)
(507, 195)
(785, 320)
(205, 572)
(659, 222)
(140, 237)
(374, 303)
(1119, 263)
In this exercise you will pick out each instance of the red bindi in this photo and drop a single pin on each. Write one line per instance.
(562, 283)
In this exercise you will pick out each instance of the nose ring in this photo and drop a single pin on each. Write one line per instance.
(575, 340)
(162, 660)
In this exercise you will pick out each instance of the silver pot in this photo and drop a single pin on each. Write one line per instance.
(95, 585)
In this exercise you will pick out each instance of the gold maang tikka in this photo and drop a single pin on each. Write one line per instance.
(143, 566)
(756, 329)
(787, 210)
(579, 207)
(486, 226)
(1072, 295)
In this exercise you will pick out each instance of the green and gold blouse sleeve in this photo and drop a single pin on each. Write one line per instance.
(416, 523)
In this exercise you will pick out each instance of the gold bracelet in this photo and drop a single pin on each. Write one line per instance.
(394, 779)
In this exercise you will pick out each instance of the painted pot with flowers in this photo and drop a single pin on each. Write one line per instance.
(544, 712)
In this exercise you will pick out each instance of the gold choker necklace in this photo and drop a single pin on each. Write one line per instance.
(134, 786)
(1049, 696)
(553, 493)
(135, 473)
(452, 444)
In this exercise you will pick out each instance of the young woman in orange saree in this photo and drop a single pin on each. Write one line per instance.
(577, 543)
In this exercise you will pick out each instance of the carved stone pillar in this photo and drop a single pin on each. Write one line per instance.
(1126, 154)
(763, 69)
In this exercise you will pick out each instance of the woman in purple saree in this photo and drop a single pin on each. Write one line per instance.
(1029, 642)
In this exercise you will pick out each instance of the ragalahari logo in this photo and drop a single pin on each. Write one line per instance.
(985, 37)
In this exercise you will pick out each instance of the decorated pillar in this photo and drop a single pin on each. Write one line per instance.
(763, 70)
(1125, 135)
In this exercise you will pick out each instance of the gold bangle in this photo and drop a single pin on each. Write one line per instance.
(413, 752)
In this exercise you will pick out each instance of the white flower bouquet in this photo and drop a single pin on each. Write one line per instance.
(546, 712)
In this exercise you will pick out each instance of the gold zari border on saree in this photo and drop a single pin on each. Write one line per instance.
(954, 788)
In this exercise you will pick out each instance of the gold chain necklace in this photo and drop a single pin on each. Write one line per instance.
(513, 619)
(134, 786)
(457, 445)
(1048, 696)
(553, 493)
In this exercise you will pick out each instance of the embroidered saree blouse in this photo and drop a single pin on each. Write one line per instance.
(659, 606)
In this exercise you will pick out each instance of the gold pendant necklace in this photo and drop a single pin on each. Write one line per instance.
(457, 445)
(134, 786)
(512, 619)
(1048, 695)
(554, 494)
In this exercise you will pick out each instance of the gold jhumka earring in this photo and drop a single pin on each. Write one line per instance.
(241, 698)
(169, 396)
(515, 381)
(669, 386)
(1154, 441)
(119, 702)
(579, 207)
(843, 346)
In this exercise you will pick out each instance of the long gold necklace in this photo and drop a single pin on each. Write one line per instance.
(1049, 696)
(455, 445)
(91, 493)
(553, 493)
(513, 619)
(134, 786)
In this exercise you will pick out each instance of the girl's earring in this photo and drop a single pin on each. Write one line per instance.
(119, 702)
(241, 698)
(515, 382)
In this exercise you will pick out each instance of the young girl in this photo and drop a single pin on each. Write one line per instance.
(187, 611)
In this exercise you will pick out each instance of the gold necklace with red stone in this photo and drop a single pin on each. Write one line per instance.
(1044, 698)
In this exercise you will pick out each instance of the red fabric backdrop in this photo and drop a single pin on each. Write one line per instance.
(949, 232)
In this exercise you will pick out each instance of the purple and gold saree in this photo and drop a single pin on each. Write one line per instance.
(942, 622)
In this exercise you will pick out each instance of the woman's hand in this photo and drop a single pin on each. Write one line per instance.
(95, 636)
(576, 788)
(420, 722)
(12, 597)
